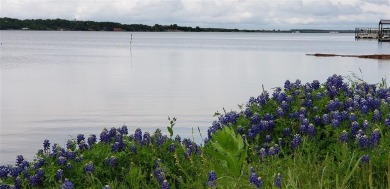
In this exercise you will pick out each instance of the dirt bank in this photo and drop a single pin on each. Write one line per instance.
(372, 56)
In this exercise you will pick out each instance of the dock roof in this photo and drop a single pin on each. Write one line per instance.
(384, 22)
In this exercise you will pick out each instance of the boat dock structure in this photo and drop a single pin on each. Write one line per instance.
(382, 33)
(384, 30)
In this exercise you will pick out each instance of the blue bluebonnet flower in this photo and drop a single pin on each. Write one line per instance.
(158, 138)
(251, 133)
(251, 101)
(297, 83)
(335, 123)
(68, 166)
(165, 185)
(70, 154)
(334, 105)
(15, 171)
(311, 130)
(365, 159)
(284, 106)
(146, 139)
(248, 113)
(352, 117)
(25, 164)
(274, 150)
(280, 112)
(383, 93)
(360, 132)
(263, 98)
(18, 183)
(363, 141)
(212, 179)
(178, 139)
(296, 141)
(344, 136)
(59, 174)
(39, 163)
(354, 127)
(305, 122)
(67, 185)
(4, 170)
(255, 119)
(268, 138)
(344, 115)
(286, 132)
(315, 84)
(123, 130)
(104, 136)
(91, 139)
(71, 145)
(112, 132)
(287, 85)
(307, 88)
(19, 159)
(89, 167)
(317, 120)
(325, 119)
(172, 147)
(112, 161)
(278, 180)
(307, 103)
(83, 145)
(302, 111)
(116, 147)
(133, 149)
(303, 129)
(34, 180)
(319, 95)
(255, 180)
(159, 174)
(40, 173)
(80, 137)
(138, 135)
(364, 109)
(61, 160)
(387, 122)
(230, 117)
(79, 158)
(46, 145)
(377, 115)
(366, 125)
(375, 137)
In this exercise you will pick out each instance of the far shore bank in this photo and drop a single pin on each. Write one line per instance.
(371, 56)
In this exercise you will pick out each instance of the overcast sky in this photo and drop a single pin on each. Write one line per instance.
(241, 14)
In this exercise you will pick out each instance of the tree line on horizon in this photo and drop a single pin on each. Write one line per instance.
(78, 25)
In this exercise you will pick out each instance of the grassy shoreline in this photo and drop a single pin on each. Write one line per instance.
(312, 135)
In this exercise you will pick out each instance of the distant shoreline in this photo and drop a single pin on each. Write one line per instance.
(371, 56)
(77, 25)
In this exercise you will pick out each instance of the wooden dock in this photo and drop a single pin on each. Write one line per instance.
(366, 33)
(382, 33)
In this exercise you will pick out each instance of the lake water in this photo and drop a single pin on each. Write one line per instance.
(55, 85)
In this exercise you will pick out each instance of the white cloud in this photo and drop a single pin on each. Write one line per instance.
(250, 14)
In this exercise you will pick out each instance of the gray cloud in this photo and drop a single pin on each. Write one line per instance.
(249, 14)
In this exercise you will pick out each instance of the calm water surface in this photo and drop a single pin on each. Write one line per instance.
(55, 85)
